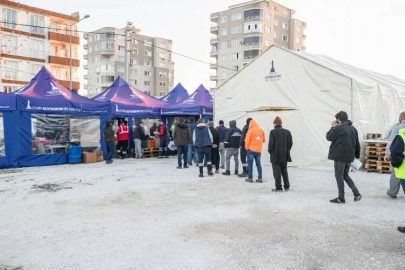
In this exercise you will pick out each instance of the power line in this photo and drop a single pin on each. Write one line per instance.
(98, 33)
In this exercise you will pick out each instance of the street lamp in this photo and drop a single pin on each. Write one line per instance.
(128, 27)
(70, 49)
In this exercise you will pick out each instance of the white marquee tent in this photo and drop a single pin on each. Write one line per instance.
(306, 91)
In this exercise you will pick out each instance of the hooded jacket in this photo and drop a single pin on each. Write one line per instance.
(232, 138)
(222, 132)
(108, 133)
(202, 136)
(181, 134)
(139, 133)
(345, 144)
(245, 130)
(280, 144)
(254, 138)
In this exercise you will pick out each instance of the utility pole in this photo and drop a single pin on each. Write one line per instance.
(128, 27)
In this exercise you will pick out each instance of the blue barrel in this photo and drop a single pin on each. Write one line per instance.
(75, 154)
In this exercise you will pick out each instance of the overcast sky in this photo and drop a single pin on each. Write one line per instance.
(365, 33)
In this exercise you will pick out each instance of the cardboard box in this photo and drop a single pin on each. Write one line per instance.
(150, 144)
(157, 142)
(99, 153)
(89, 157)
(100, 158)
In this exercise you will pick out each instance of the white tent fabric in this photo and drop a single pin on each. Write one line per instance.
(306, 91)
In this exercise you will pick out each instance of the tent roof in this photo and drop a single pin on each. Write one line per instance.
(360, 75)
(46, 94)
(178, 93)
(7, 102)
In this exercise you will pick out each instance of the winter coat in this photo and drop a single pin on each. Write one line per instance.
(243, 136)
(280, 144)
(397, 152)
(181, 135)
(232, 138)
(162, 129)
(216, 137)
(222, 132)
(123, 133)
(345, 142)
(152, 131)
(108, 134)
(139, 133)
(202, 136)
(254, 138)
(393, 135)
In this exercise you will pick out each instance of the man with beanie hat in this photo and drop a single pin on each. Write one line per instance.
(215, 146)
(232, 140)
(243, 151)
(222, 134)
(203, 140)
(280, 144)
(254, 144)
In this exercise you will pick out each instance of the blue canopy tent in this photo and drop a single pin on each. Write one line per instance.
(49, 116)
(178, 93)
(199, 103)
(7, 129)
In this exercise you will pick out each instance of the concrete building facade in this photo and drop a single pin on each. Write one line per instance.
(31, 38)
(246, 30)
(150, 65)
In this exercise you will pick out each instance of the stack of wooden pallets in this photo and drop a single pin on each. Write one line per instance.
(375, 152)
(150, 152)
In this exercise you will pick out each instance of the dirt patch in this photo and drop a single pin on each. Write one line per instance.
(50, 187)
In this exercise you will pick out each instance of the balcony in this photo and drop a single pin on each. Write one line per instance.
(214, 40)
(86, 77)
(304, 36)
(75, 85)
(214, 29)
(214, 77)
(85, 36)
(107, 52)
(86, 56)
(63, 38)
(213, 66)
(252, 46)
(64, 61)
(214, 53)
(86, 67)
(215, 17)
(85, 46)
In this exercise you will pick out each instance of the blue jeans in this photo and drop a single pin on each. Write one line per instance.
(254, 156)
(182, 150)
(403, 184)
(191, 150)
(110, 150)
(163, 147)
(204, 153)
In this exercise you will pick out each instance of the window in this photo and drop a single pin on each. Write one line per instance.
(96, 48)
(35, 68)
(162, 74)
(90, 60)
(162, 56)
(9, 18)
(121, 59)
(37, 48)
(275, 8)
(285, 26)
(224, 19)
(285, 12)
(298, 40)
(108, 35)
(237, 17)
(148, 53)
(147, 73)
(107, 68)
(146, 83)
(90, 38)
(10, 44)
(108, 46)
(96, 58)
(253, 27)
(298, 29)
(121, 69)
(107, 79)
(133, 51)
(285, 38)
(275, 35)
(236, 68)
(267, 42)
(9, 89)
(255, 40)
(133, 82)
(162, 84)
(90, 49)
(224, 57)
(134, 41)
(148, 43)
(10, 70)
(147, 92)
(267, 30)
(224, 45)
(236, 29)
(235, 56)
(133, 62)
(253, 14)
(267, 17)
(162, 45)
(276, 22)
(235, 43)
(148, 63)
(224, 31)
(162, 65)
(251, 54)
(38, 25)
(163, 93)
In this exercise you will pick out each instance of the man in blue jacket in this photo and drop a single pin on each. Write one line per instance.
(203, 140)
(243, 151)
(222, 134)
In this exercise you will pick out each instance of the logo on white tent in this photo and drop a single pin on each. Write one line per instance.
(273, 76)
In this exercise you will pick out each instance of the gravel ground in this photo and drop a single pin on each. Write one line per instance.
(148, 215)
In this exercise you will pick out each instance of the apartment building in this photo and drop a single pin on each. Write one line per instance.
(150, 65)
(245, 30)
(31, 38)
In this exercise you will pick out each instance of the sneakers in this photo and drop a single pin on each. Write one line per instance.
(222, 167)
(166, 156)
(249, 180)
(179, 167)
(286, 189)
(357, 198)
(259, 180)
(210, 173)
(227, 173)
(217, 171)
(185, 167)
(337, 200)
(392, 196)
(401, 229)
(277, 190)
(236, 173)
(244, 174)
(190, 164)
(201, 175)
(159, 157)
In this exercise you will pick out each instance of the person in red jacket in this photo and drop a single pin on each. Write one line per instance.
(122, 137)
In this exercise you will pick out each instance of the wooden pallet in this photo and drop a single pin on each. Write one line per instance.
(374, 157)
(150, 152)
(376, 144)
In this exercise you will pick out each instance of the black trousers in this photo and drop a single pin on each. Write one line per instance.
(280, 170)
(243, 159)
(215, 157)
(122, 147)
(342, 170)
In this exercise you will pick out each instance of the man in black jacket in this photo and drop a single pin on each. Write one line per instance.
(344, 148)
(232, 141)
(280, 144)
(243, 151)
(215, 146)
(139, 135)
(182, 139)
(109, 137)
(222, 134)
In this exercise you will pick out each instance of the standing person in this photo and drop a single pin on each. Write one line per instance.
(123, 137)
(173, 126)
(395, 183)
(222, 134)
(344, 148)
(280, 144)
(215, 146)
(232, 141)
(253, 144)
(182, 140)
(109, 141)
(243, 151)
(153, 130)
(139, 135)
(203, 140)
(192, 151)
(397, 151)
(164, 137)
